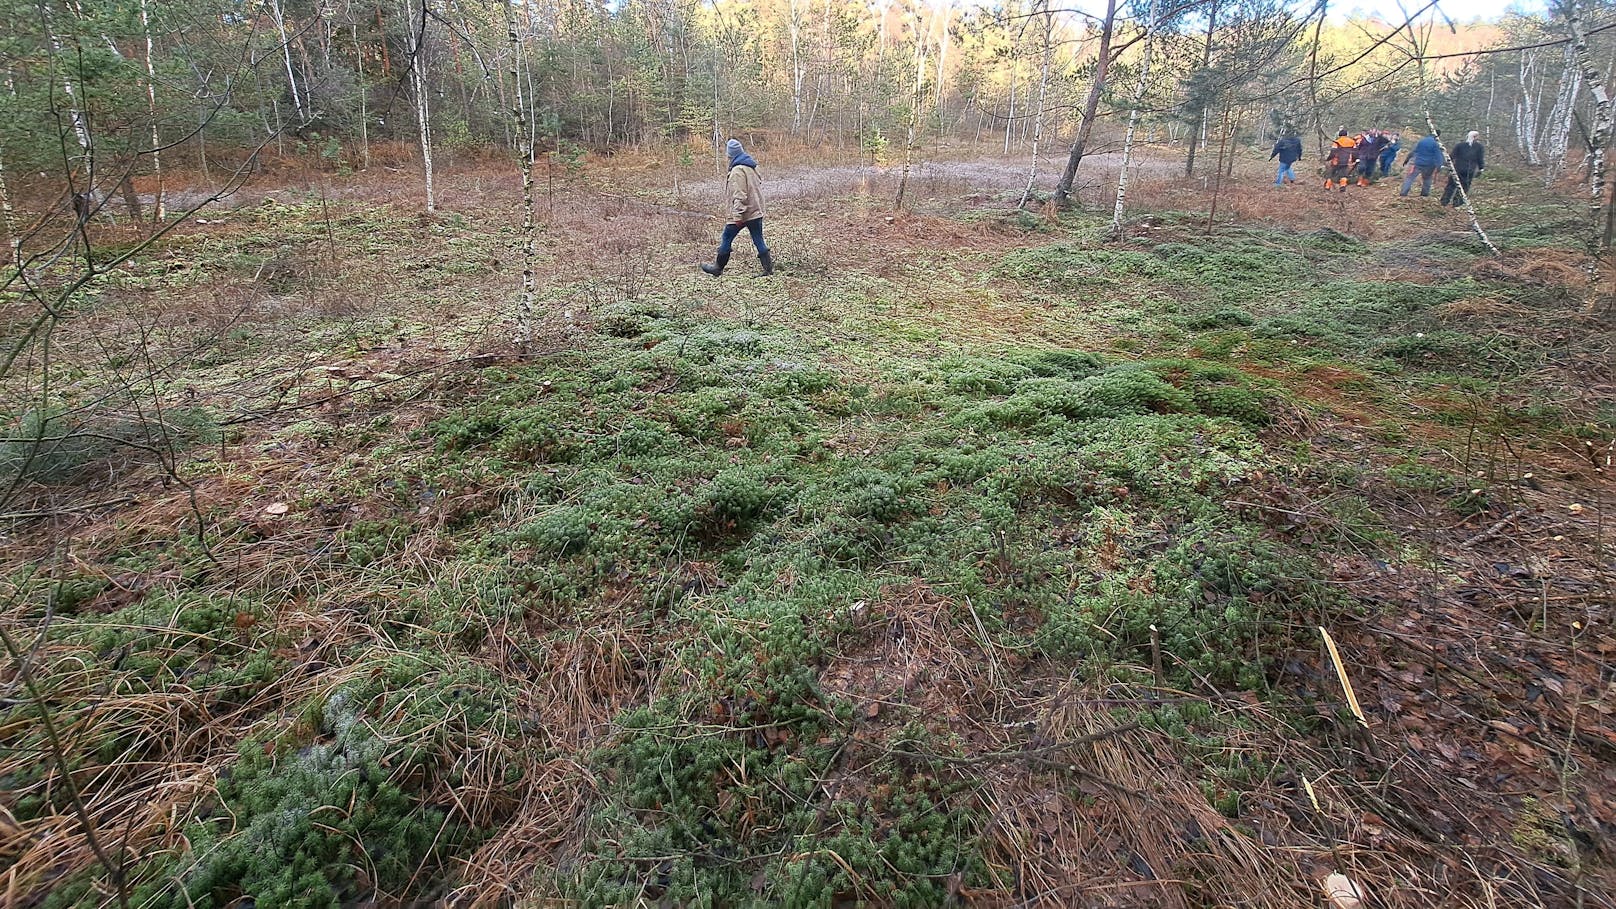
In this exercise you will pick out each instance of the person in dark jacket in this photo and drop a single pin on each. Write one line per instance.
(1466, 159)
(745, 210)
(1370, 145)
(1422, 160)
(1289, 151)
(1388, 156)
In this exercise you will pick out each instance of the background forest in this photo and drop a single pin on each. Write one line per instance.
(208, 85)
(391, 514)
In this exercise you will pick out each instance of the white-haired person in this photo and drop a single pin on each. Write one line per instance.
(1466, 159)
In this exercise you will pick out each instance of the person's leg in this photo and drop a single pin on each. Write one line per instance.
(1427, 174)
(1408, 181)
(1464, 182)
(1447, 190)
(726, 242)
(1279, 175)
(765, 259)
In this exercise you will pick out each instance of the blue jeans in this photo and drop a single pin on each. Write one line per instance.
(1285, 170)
(1424, 171)
(731, 231)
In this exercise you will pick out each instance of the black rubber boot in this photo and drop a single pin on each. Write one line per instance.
(767, 259)
(716, 268)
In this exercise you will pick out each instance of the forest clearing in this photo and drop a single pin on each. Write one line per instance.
(1192, 539)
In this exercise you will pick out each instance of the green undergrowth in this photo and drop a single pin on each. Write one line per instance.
(1290, 299)
(715, 504)
(1072, 499)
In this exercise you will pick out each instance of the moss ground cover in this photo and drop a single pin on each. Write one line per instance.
(769, 592)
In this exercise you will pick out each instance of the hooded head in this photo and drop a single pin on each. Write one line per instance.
(1472, 136)
(738, 155)
(1342, 133)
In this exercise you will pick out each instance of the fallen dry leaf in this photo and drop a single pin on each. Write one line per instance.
(277, 508)
(1343, 893)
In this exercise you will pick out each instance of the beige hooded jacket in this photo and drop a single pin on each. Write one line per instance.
(745, 194)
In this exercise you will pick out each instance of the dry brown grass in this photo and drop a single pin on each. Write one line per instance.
(1081, 812)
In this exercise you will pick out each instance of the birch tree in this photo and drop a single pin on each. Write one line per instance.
(520, 128)
(1557, 138)
(1043, 93)
(416, 33)
(1133, 118)
(1604, 121)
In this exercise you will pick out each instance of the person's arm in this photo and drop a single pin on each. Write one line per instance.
(1481, 157)
(737, 195)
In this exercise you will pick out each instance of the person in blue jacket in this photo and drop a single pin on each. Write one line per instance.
(1423, 159)
(1389, 156)
(1289, 151)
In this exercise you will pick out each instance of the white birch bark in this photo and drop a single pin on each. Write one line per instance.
(1526, 116)
(524, 155)
(286, 54)
(1604, 123)
(1133, 121)
(1557, 139)
(1038, 112)
(916, 100)
(423, 105)
(151, 112)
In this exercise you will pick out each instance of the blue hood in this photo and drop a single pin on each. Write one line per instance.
(743, 158)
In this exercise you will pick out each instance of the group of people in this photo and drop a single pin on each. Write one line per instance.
(1372, 154)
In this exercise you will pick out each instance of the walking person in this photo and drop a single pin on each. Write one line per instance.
(1343, 155)
(1422, 160)
(1468, 158)
(1289, 151)
(1389, 156)
(1370, 145)
(745, 210)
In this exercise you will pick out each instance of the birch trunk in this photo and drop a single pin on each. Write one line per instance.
(84, 203)
(796, 68)
(1010, 120)
(1557, 139)
(524, 157)
(423, 105)
(8, 217)
(916, 99)
(286, 54)
(1447, 166)
(1038, 112)
(1604, 123)
(1526, 113)
(1133, 120)
(160, 212)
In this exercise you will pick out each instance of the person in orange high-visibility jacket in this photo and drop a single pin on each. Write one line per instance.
(1343, 156)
